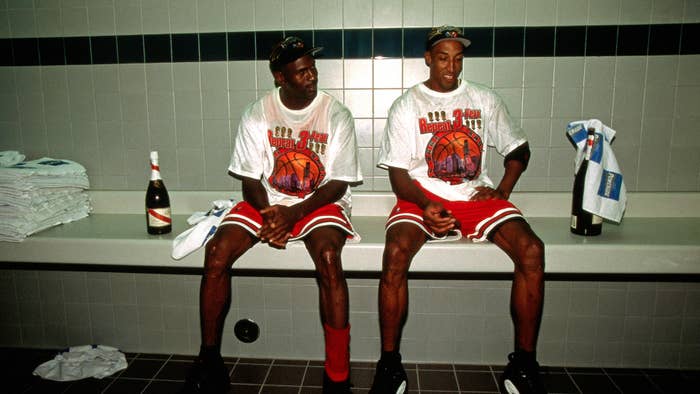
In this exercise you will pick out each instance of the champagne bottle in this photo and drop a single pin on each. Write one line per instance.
(158, 219)
(583, 222)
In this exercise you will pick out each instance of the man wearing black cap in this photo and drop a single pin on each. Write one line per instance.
(435, 149)
(296, 155)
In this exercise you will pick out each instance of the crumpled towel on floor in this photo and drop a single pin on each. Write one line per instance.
(79, 362)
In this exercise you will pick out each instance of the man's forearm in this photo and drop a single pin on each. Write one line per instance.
(254, 193)
(402, 185)
(513, 170)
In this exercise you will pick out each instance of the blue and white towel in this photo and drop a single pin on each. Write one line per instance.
(604, 192)
(204, 225)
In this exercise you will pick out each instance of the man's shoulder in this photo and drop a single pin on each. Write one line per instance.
(476, 88)
(334, 105)
(406, 98)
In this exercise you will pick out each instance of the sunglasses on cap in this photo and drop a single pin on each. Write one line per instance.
(445, 32)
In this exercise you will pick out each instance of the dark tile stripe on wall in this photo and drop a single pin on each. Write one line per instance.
(517, 41)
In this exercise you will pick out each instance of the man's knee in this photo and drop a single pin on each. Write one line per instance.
(221, 252)
(530, 252)
(398, 253)
(326, 255)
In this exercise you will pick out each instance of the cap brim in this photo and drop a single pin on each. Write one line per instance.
(465, 43)
(313, 51)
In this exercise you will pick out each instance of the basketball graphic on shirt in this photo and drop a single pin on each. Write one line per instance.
(297, 172)
(454, 156)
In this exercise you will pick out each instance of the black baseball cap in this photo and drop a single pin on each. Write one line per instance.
(445, 32)
(289, 50)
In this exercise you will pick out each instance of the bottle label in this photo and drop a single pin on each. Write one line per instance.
(595, 219)
(159, 217)
(574, 221)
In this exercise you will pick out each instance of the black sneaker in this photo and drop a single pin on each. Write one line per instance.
(209, 378)
(522, 377)
(331, 387)
(389, 379)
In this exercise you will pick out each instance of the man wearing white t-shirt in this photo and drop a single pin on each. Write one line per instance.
(435, 149)
(296, 155)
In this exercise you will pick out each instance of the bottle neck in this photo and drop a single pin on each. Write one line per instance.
(589, 145)
(155, 171)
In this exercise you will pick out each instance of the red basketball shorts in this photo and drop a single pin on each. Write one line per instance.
(244, 215)
(476, 219)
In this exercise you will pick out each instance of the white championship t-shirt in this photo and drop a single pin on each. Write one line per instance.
(294, 152)
(441, 138)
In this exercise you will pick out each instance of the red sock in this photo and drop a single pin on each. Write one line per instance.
(337, 363)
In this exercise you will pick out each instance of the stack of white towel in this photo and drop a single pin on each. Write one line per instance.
(38, 194)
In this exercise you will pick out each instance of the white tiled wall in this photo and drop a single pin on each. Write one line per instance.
(614, 324)
(109, 116)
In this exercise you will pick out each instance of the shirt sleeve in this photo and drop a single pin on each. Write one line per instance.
(505, 134)
(343, 159)
(398, 142)
(248, 147)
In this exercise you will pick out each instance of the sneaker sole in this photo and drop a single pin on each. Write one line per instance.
(401, 388)
(510, 387)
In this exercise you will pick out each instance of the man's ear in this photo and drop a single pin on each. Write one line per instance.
(428, 58)
(279, 77)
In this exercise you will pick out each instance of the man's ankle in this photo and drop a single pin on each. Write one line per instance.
(390, 357)
(210, 354)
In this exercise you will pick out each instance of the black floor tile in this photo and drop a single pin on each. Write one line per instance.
(361, 378)
(245, 388)
(48, 386)
(249, 373)
(437, 380)
(559, 383)
(266, 389)
(435, 367)
(315, 390)
(672, 382)
(89, 386)
(289, 362)
(634, 384)
(174, 370)
(262, 361)
(313, 377)
(152, 356)
(162, 387)
(126, 386)
(285, 375)
(142, 369)
(595, 384)
(476, 381)
(470, 367)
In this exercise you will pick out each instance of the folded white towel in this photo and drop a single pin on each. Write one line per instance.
(604, 192)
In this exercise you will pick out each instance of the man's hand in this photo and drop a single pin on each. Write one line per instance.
(484, 193)
(278, 222)
(438, 219)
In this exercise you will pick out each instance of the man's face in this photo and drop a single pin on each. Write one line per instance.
(299, 80)
(445, 62)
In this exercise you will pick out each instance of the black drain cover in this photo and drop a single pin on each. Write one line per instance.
(246, 330)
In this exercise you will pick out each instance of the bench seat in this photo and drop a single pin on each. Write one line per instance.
(641, 244)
